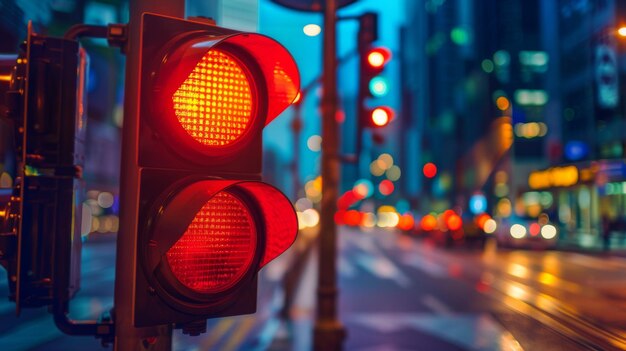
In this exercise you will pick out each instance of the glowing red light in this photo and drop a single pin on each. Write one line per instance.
(481, 219)
(381, 116)
(214, 104)
(378, 57)
(353, 217)
(218, 247)
(454, 222)
(339, 217)
(386, 187)
(534, 229)
(430, 170)
(428, 222)
(406, 222)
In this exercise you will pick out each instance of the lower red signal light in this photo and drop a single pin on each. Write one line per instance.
(210, 237)
(218, 247)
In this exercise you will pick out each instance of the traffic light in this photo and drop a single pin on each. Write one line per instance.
(372, 62)
(372, 85)
(191, 171)
(43, 118)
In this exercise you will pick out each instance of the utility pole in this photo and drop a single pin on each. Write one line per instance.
(296, 128)
(328, 331)
(127, 337)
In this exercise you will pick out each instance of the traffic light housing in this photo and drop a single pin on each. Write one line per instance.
(372, 62)
(204, 221)
(44, 117)
(372, 85)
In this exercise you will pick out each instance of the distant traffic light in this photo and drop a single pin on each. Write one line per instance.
(372, 62)
(376, 59)
(379, 117)
(191, 171)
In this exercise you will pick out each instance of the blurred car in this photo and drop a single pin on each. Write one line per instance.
(452, 230)
(527, 232)
(474, 235)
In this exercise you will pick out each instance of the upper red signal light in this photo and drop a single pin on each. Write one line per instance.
(215, 93)
(215, 103)
(378, 57)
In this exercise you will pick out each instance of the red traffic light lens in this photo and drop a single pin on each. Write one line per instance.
(212, 94)
(214, 103)
(381, 116)
(378, 57)
(209, 236)
(217, 248)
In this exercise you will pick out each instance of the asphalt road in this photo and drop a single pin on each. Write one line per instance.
(396, 293)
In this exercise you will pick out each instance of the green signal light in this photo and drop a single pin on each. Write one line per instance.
(378, 86)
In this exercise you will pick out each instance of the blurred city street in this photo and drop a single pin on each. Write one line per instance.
(396, 293)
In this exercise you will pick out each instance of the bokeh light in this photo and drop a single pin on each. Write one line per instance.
(430, 170)
(548, 231)
(490, 226)
(393, 173)
(517, 231)
(312, 30)
(105, 199)
(386, 187)
(314, 143)
(502, 103)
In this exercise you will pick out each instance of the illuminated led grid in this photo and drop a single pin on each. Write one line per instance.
(214, 104)
(218, 247)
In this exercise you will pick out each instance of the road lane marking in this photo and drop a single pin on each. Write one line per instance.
(383, 268)
(238, 335)
(267, 334)
(346, 269)
(470, 331)
(436, 305)
(425, 264)
(216, 333)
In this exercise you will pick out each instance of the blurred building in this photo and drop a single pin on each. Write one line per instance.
(587, 116)
(521, 102)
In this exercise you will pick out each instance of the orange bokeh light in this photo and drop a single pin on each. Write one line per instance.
(454, 221)
(406, 222)
(428, 222)
(502, 103)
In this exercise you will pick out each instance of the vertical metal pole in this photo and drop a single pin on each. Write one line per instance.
(127, 337)
(329, 333)
(296, 128)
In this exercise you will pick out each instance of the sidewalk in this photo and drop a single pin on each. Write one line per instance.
(589, 244)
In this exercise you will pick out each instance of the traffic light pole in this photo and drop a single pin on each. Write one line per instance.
(329, 333)
(127, 337)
